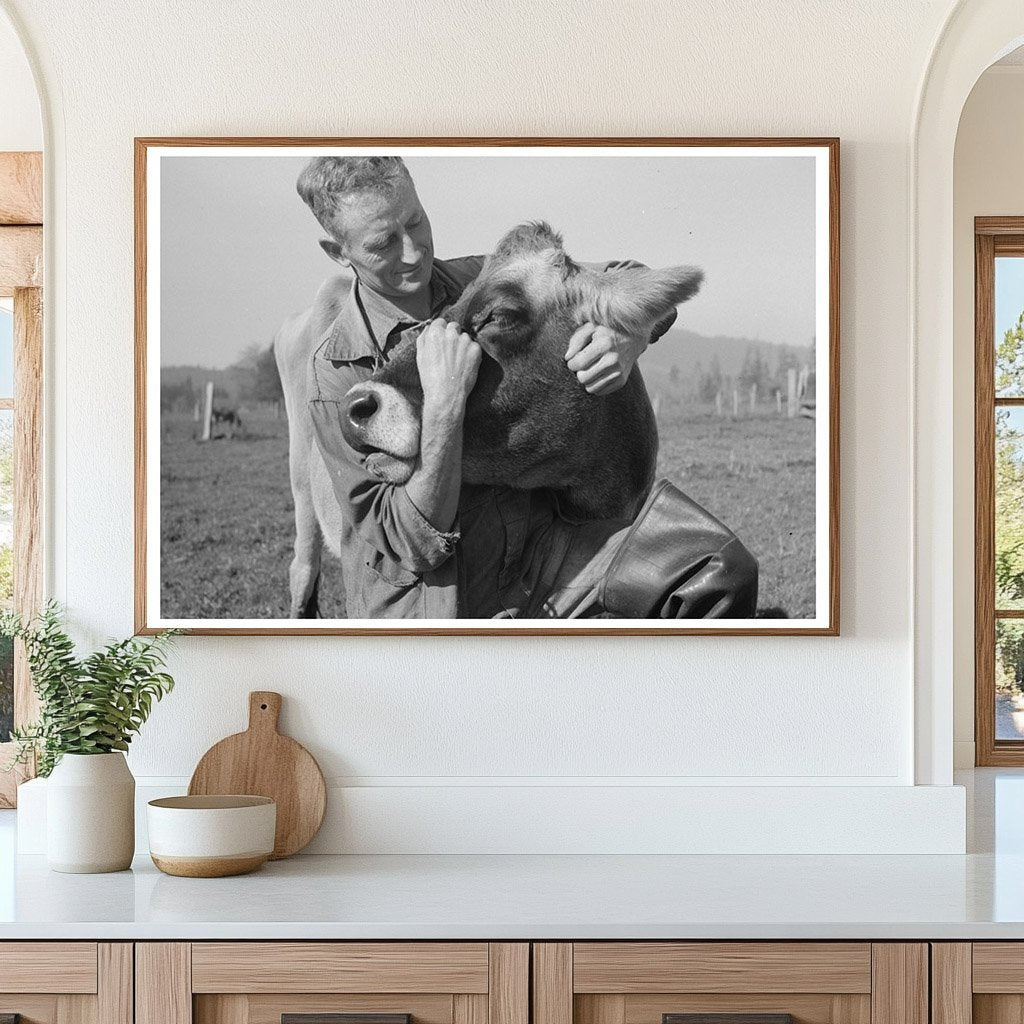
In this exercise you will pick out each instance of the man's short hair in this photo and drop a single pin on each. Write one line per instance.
(326, 180)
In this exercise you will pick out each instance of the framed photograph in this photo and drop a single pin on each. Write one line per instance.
(500, 386)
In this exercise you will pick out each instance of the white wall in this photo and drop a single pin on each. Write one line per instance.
(466, 711)
(987, 181)
(21, 127)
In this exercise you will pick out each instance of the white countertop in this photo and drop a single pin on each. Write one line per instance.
(977, 896)
(497, 897)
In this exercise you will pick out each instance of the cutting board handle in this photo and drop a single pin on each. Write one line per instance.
(264, 710)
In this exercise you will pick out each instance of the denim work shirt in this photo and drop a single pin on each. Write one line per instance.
(395, 563)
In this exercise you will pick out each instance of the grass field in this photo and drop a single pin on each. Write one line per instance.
(226, 522)
(756, 474)
(227, 529)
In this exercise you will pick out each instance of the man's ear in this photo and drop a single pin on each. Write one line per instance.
(631, 300)
(335, 251)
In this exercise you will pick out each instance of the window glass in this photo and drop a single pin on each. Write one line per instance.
(6, 352)
(6, 568)
(1009, 510)
(1009, 679)
(1009, 327)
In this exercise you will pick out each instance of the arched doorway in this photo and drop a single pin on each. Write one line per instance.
(976, 34)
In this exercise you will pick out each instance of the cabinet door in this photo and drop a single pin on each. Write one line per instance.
(332, 983)
(66, 982)
(730, 983)
(980, 982)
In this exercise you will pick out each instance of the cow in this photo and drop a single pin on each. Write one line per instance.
(230, 419)
(525, 406)
(528, 423)
(317, 513)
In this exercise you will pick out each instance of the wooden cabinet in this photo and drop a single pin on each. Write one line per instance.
(512, 983)
(979, 982)
(753, 982)
(305, 982)
(66, 982)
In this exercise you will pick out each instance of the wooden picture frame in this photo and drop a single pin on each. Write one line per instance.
(822, 255)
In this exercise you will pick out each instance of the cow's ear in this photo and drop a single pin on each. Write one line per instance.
(335, 251)
(633, 299)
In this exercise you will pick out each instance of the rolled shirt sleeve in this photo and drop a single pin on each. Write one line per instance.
(381, 514)
(388, 520)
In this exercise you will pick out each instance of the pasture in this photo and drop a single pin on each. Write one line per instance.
(226, 526)
(226, 508)
(756, 474)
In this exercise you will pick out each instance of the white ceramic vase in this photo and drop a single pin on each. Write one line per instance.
(90, 814)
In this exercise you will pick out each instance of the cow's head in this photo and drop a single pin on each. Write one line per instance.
(527, 410)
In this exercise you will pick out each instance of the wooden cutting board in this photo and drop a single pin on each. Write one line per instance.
(262, 762)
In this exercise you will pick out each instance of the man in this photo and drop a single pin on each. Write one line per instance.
(430, 548)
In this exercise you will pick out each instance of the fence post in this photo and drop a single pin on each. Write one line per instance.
(735, 403)
(791, 396)
(718, 403)
(778, 401)
(208, 411)
(753, 398)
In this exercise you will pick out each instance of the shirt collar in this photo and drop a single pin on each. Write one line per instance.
(348, 339)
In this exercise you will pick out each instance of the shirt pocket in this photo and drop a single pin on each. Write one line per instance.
(390, 572)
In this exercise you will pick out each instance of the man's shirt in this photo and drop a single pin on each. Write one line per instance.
(395, 564)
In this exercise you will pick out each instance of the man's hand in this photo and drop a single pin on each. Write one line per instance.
(601, 359)
(448, 361)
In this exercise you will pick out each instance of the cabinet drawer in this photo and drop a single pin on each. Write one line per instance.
(730, 983)
(65, 967)
(635, 967)
(981, 982)
(340, 967)
(66, 982)
(332, 983)
(998, 967)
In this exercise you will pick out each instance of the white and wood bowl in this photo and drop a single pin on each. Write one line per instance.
(211, 836)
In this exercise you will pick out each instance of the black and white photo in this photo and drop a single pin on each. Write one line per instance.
(432, 386)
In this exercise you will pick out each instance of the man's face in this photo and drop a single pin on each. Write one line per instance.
(387, 241)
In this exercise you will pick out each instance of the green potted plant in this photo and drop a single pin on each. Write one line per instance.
(90, 708)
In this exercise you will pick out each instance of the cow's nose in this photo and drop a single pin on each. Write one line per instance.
(357, 413)
(362, 410)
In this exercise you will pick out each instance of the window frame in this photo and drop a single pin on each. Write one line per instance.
(993, 237)
(21, 270)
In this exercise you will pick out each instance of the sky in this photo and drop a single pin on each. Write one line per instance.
(6, 353)
(1009, 293)
(240, 253)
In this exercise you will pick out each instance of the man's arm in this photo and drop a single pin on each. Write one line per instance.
(448, 361)
(399, 520)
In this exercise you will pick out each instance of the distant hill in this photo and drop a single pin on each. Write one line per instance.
(182, 387)
(199, 375)
(686, 349)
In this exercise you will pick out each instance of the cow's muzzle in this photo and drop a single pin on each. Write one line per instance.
(378, 421)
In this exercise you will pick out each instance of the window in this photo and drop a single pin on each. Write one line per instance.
(999, 490)
(21, 252)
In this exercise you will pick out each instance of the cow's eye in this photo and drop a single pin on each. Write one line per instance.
(501, 320)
